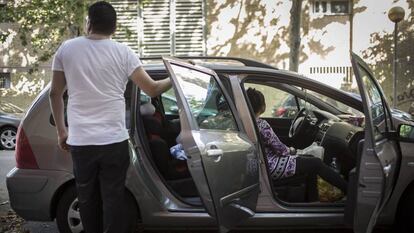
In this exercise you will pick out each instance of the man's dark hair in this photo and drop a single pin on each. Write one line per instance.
(257, 99)
(102, 18)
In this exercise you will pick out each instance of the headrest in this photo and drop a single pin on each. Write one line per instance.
(147, 109)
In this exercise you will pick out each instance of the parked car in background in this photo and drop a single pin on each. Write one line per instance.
(225, 181)
(395, 112)
(288, 108)
(10, 116)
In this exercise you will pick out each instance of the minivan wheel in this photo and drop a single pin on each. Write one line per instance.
(8, 138)
(68, 217)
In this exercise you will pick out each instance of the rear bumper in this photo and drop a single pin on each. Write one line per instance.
(31, 191)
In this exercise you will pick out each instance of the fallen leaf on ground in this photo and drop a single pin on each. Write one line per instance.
(12, 223)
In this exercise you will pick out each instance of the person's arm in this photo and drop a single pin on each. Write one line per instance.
(151, 87)
(272, 141)
(56, 103)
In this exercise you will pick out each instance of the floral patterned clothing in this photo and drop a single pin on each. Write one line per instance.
(281, 163)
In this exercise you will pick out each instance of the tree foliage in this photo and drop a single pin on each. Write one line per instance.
(381, 56)
(41, 25)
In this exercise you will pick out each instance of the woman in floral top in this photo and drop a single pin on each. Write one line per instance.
(282, 160)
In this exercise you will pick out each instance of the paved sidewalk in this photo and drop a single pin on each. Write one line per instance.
(7, 162)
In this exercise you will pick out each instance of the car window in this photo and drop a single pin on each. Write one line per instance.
(144, 98)
(374, 98)
(169, 102)
(279, 104)
(205, 99)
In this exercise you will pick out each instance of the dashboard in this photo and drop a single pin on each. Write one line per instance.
(339, 138)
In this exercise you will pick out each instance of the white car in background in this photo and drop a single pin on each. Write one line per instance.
(10, 116)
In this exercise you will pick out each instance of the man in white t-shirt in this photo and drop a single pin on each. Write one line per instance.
(95, 70)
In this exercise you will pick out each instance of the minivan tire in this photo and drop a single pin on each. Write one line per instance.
(68, 201)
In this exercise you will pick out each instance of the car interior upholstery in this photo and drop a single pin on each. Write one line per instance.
(175, 172)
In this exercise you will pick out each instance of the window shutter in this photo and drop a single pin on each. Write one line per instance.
(127, 21)
(173, 27)
(156, 33)
(189, 28)
(5, 80)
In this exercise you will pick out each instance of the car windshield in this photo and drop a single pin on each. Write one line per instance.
(9, 108)
(336, 104)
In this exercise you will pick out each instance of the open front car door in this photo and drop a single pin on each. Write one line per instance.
(378, 162)
(221, 159)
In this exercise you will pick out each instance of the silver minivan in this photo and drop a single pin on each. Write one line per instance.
(224, 183)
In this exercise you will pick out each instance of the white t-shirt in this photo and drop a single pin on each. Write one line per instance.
(96, 74)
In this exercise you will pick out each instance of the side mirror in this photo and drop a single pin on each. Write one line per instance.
(406, 131)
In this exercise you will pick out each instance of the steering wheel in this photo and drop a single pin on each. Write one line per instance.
(300, 123)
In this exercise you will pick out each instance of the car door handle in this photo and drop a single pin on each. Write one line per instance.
(214, 153)
(387, 170)
(246, 210)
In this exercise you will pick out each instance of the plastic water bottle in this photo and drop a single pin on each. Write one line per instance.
(334, 191)
(334, 165)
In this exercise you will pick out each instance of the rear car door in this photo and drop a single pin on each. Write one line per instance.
(222, 160)
(378, 158)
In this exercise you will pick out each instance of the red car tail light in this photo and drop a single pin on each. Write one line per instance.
(25, 158)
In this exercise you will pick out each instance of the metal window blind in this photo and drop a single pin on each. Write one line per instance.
(5, 80)
(127, 22)
(189, 27)
(156, 39)
(173, 27)
(346, 70)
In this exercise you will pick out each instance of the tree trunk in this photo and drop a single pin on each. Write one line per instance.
(294, 34)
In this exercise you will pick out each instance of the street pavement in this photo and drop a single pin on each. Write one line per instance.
(7, 162)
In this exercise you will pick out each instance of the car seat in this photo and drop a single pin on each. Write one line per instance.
(171, 127)
(169, 167)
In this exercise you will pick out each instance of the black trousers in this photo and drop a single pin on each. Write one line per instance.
(308, 165)
(100, 173)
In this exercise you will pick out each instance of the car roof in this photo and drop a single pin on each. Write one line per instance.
(228, 61)
(229, 69)
(218, 64)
